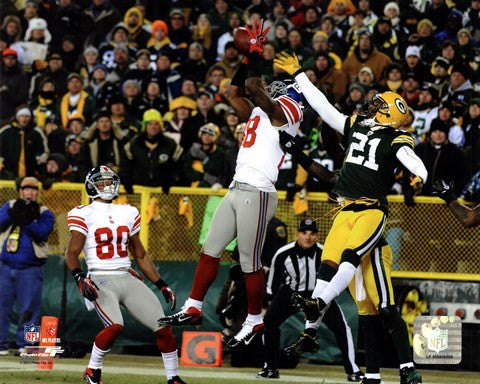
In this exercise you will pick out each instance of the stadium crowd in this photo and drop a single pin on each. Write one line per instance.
(140, 85)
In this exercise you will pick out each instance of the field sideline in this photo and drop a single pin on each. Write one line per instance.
(125, 369)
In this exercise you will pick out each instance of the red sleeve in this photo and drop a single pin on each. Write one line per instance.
(291, 109)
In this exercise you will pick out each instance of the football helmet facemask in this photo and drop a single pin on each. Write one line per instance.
(102, 182)
(287, 87)
(387, 109)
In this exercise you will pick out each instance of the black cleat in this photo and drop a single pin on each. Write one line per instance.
(188, 316)
(304, 343)
(311, 307)
(356, 376)
(267, 373)
(409, 375)
(371, 381)
(176, 380)
(245, 336)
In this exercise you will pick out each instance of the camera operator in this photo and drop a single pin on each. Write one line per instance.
(25, 226)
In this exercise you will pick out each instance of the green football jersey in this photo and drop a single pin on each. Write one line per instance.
(368, 167)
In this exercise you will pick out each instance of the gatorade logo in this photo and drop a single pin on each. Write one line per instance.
(201, 349)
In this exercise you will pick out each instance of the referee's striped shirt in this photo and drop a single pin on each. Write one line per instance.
(294, 267)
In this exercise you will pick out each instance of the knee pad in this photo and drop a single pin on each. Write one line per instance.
(350, 256)
(326, 272)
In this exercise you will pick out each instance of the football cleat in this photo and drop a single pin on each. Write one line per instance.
(188, 316)
(371, 381)
(267, 373)
(245, 336)
(304, 343)
(176, 380)
(409, 375)
(92, 376)
(356, 376)
(311, 307)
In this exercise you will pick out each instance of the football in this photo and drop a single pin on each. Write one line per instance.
(241, 40)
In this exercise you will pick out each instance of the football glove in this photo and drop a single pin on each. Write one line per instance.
(257, 35)
(86, 286)
(417, 184)
(443, 190)
(24, 212)
(167, 293)
(288, 63)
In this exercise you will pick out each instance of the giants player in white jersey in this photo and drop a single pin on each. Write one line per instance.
(252, 199)
(106, 232)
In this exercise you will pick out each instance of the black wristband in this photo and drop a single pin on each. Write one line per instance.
(298, 72)
(160, 284)
(78, 274)
(239, 76)
(254, 69)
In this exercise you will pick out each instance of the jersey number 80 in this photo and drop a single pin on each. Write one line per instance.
(106, 247)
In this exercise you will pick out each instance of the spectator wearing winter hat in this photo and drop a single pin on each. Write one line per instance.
(153, 98)
(392, 12)
(442, 159)
(353, 99)
(465, 45)
(101, 17)
(13, 85)
(454, 24)
(11, 29)
(73, 146)
(151, 157)
(103, 144)
(180, 109)
(55, 170)
(394, 77)
(385, 38)
(327, 76)
(195, 66)
(455, 132)
(413, 63)
(36, 40)
(159, 41)
(137, 36)
(141, 70)
(44, 105)
(425, 111)
(179, 32)
(440, 75)
(231, 59)
(90, 57)
(76, 100)
(117, 38)
(169, 79)
(424, 38)
(365, 54)
(340, 10)
(23, 146)
(56, 71)
(98, 86)
(460, 90)
(116, 107)
(365, 76)
(202, 34)
(76, 126)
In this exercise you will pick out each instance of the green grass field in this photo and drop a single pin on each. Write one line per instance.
(126, 369)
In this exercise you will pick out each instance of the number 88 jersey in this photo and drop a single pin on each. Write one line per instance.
(369, 165)
(107, 228)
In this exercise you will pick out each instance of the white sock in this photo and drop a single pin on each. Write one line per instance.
(170, 361)
(193, 303)
(96, 358)
(254, 319)
(373, 376)
(339, 283)
(407, 365)
(319, 287)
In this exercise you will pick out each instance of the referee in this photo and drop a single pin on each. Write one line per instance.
(294, 269)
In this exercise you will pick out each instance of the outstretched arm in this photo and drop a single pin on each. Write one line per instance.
(314, 96)
(468, 217)
(236, 94)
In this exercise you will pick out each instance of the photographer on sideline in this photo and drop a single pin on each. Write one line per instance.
(25, 226)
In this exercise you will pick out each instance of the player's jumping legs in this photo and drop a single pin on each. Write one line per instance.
(254, 209)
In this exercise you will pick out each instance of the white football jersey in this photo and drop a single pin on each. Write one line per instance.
(260, 155)
(108, 228)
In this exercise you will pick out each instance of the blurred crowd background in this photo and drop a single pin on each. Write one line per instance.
(140, 85)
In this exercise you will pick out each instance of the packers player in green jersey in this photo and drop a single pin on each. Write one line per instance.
(375, 148)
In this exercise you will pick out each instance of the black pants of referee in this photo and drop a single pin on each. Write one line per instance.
(282, 308)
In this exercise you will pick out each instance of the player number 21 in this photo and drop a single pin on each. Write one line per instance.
(105, 246)
(249, 131)
(362, 152)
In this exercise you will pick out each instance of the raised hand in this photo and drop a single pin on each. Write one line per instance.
(287, 63)
(257, 35)
(444, 190)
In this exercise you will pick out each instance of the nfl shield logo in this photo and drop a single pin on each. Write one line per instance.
(32, 333)
(437, 340)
